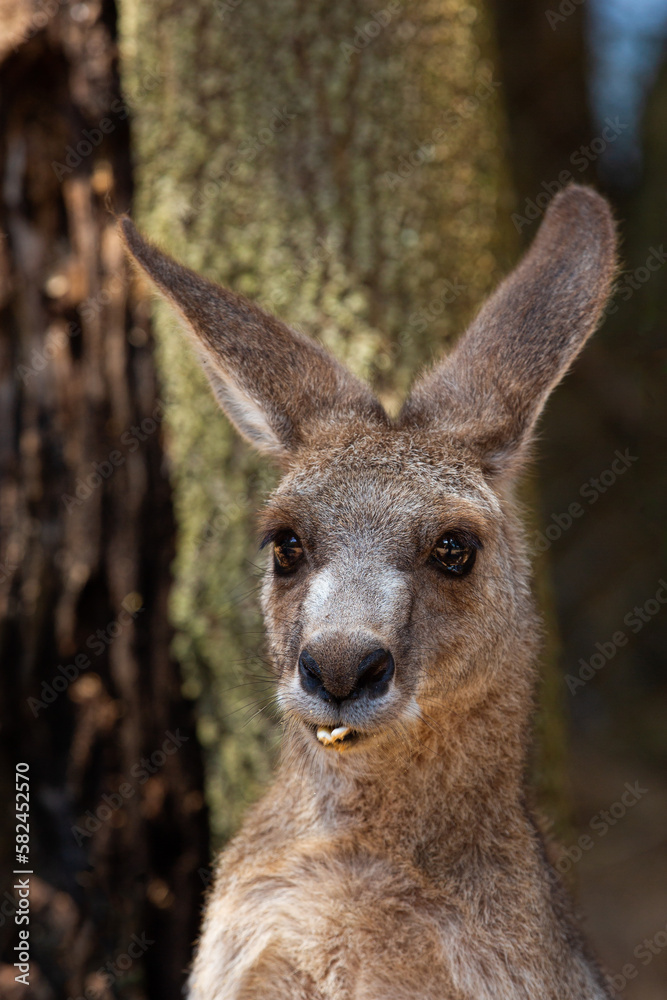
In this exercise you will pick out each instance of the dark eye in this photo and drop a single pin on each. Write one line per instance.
(455, 553)
(287, 552)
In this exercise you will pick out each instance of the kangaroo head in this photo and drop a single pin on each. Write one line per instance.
(397, 584)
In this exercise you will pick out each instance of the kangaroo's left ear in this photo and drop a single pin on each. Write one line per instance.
(492, 388)
(277, 386)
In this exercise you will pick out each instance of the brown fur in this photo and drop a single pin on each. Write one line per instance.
(403, 865)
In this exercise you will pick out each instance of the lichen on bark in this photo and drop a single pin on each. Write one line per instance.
(345, 167)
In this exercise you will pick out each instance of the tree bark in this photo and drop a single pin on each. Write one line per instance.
(90, 692)
(345, 167)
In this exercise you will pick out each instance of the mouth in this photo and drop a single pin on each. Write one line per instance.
(339, 738)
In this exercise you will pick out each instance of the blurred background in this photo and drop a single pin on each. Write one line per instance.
(368, 172)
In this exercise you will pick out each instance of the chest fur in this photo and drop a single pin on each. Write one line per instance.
(358, 928)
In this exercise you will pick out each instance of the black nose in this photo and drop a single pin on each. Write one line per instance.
(370, 678)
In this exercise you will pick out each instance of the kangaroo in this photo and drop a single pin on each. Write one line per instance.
(395, 857)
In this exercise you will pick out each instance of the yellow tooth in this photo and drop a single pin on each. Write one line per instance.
(324, 736)
(340, 733)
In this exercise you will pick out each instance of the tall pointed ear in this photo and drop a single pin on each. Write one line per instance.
(489, 392)
(276, 385)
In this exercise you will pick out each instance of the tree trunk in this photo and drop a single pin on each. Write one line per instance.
(345, 167)
(543, 56)
(90, 693)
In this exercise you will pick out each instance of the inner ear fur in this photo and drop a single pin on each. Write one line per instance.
(490, 391)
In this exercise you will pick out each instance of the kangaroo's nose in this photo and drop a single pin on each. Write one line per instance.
(371, 677)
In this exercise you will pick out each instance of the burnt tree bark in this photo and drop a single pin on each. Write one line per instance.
(90, 694)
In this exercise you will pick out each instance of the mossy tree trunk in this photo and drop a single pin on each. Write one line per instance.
(345, 167)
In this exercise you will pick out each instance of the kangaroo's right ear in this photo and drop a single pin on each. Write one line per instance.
(274, 384)
(491, 389)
